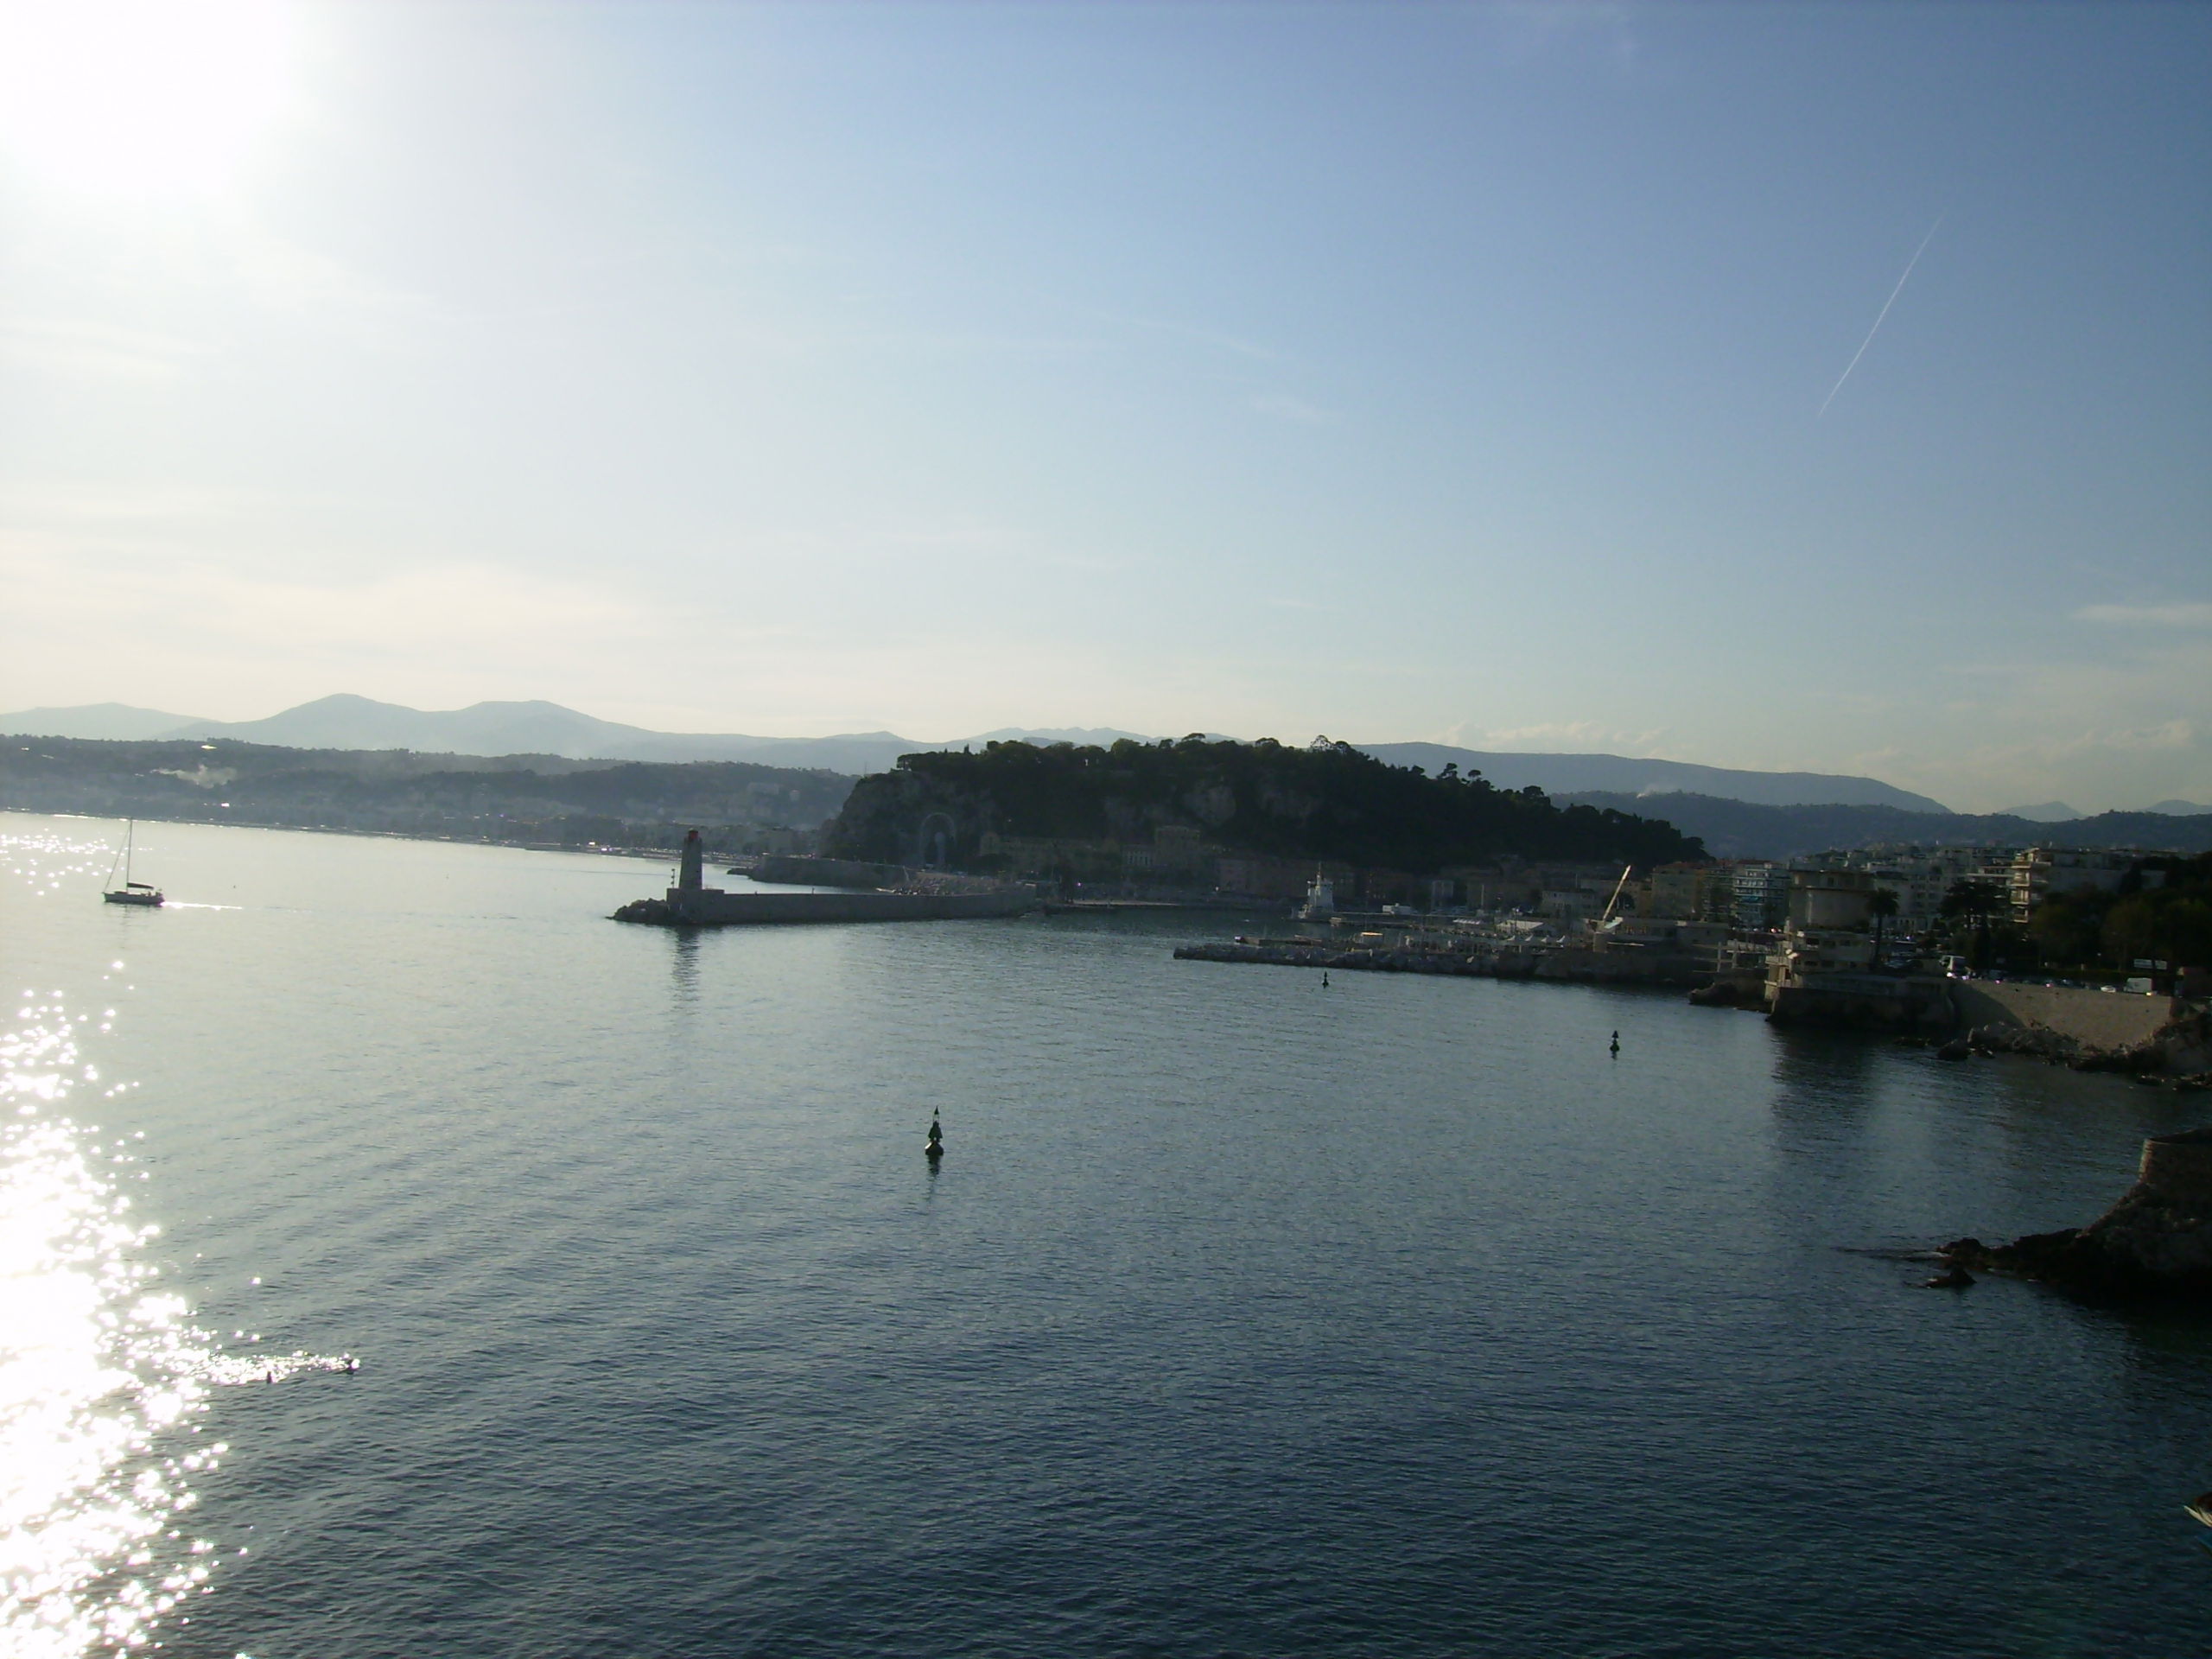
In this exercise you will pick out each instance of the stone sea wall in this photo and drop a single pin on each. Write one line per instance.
(710, 907)
(2105, 1020)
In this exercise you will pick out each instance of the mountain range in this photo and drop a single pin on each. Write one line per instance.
(1739, 828)
(494, 728)
(346, 721)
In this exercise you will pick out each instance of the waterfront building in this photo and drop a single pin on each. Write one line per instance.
(1254, 875)
(1760, 894)
(1693, 893)
(1821, 900)
(2041, 873)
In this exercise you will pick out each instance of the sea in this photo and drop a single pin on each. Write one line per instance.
(397, 1256)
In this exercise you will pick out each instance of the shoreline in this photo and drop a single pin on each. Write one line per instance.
(661, 854)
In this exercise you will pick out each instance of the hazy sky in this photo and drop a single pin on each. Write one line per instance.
(1464, 372)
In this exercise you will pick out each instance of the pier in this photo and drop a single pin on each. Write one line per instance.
(1466, 959)
(691, 903)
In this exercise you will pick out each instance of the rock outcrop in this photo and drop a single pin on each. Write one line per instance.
(2157, 1241)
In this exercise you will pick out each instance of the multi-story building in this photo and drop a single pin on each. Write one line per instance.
(2041, 873)
(1760, 894)
(1693, 893)
(1822, 900)
(1921, 877)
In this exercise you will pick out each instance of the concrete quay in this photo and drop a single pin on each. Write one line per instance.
(691, 903)
(712, 907)
(1560, 966)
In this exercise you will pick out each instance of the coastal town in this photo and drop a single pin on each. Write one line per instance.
(1851, 935)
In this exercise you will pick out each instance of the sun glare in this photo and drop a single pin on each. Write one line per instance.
(139, 97)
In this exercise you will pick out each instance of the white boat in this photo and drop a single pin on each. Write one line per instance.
(131, 892)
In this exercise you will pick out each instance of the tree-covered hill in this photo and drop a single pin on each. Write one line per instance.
(1329, 801)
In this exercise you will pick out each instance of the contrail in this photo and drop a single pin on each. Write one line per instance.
(1884, 312)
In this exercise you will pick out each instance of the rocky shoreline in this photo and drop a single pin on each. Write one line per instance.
(2155, 1242)
(2179, 1053)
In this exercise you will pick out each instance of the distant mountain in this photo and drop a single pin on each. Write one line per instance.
(534, 799)
(549, 729)
(1619, 775)
(2044, 813)
(112, 722)
(537, 727)
(2178, 809)
(1747, 829)
(346, 721)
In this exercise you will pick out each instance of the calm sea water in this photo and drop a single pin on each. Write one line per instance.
(1242, 1317)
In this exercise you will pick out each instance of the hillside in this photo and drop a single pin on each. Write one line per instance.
(530, 797)
(1618, 775)
(1744, 829)
(487, 729)
(1325, 802)
(539, 727)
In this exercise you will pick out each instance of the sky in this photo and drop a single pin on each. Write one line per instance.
(1501, 375)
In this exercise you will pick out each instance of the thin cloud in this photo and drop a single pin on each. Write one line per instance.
(1292, 408)
(1878, 316)
(93, 350)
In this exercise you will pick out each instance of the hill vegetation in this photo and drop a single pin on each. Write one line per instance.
(523, 798)
(1733, 829)
(2161, 912)
(1328, 801)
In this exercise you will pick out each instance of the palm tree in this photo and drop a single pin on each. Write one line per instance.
(1972, 901)
(1881, 903)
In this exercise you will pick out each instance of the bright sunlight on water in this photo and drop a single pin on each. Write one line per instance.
(103, 1376)
(582, 1289)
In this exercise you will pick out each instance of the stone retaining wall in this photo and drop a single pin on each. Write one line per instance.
(2179, 1166)
(2100, 1020)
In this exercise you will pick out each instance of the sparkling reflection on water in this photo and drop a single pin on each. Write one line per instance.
(1401, 1319)
(105, 1376)
(102, 1372)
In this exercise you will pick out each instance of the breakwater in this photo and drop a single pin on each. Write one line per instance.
(710, 907)
(691, 903)
(1470, 960)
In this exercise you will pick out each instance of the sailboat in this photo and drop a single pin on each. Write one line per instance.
(131, 892)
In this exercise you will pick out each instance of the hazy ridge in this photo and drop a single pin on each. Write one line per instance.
(350, 722)
(1735, 829)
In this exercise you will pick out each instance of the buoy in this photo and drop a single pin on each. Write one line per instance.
(1617, 1042)
(935, 1149)
(1325, 979)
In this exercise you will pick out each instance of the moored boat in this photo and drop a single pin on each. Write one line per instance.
(131, 892)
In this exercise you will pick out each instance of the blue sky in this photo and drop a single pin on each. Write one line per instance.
(1391, 372)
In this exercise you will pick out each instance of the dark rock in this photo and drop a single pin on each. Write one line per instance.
(1957, 1278)
(2147, 1245)
(1958, 1048)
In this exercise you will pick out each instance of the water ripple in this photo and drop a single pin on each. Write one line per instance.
(102, 1373)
